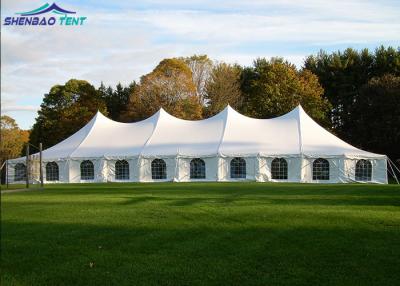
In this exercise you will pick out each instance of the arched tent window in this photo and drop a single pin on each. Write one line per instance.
(52, 173)
(158, 169)
(19, 172)
(363, 170)
(279, 169)
(238, 168)
(197, 169)
(122, 170)
(87, 170)
(320, 169)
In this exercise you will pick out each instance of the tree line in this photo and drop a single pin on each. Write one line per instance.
(353, 93)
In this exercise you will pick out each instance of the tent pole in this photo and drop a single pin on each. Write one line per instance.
(40, 165)
(27, 166)
(390, 173)
(7, 172)
(394, 173)
(394, 164)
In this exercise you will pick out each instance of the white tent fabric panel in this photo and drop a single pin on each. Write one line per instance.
(145, 170)
(65, 148)
(133, 170)
(317, 142)
(173, 136)
(335, 167)
(294, 169)
(108, 138)
(63, 171)
(211, 169)
(248, 136)
(378, 173)
(225, 169)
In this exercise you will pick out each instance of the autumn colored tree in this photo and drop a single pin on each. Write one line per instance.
(169, 86)
(223, 88)
(65, 109)
(12, 139)
(274, 87)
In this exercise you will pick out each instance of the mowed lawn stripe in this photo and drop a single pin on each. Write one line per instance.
(202, 234)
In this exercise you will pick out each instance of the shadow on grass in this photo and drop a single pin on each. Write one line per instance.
(76, 254)
(302, 200)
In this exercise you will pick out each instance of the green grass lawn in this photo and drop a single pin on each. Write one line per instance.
(202, 234)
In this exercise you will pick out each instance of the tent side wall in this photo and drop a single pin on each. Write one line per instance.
(211, 169)
(379, 170)
(294, 169)
(335, 167)
(258, 168)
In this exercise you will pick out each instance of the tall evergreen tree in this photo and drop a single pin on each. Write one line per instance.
(378, 125)
(343, 75)
(116, 99)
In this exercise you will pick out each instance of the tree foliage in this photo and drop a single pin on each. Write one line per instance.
(117, 99)
(343, 76)
(355, 93)
(378, 126)
(201, 67)
(65, 109)
(223, 88)
(169, 86)
(274, 87)
(13, 139)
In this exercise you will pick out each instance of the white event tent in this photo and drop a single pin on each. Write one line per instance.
(226, 147)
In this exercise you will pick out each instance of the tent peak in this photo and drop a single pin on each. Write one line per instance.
(230, 109)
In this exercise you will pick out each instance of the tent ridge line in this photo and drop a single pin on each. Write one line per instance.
(223, 132)
(151, 135)
(299, 131)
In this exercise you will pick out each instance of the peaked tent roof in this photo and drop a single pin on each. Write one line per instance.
(228, 133)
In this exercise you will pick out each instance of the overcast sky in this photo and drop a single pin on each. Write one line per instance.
(122, 40)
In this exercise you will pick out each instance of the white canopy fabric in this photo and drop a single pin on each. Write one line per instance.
(228, 133)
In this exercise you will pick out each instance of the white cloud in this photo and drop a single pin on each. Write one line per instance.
(20, 108)
(125, 41)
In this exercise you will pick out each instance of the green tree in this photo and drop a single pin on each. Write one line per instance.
(65, 109)
(116, 100)
(223, 88)
(274, 87)
(342, 75)
(169, 86)
(378, 128)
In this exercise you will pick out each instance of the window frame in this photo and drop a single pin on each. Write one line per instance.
(279, 169)
(197, 169)
(21, 176)
(323, 170)
(238, 168)
(122, 169)
(86, 177)
(159, 171)
(363, 178)
(50, 173)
